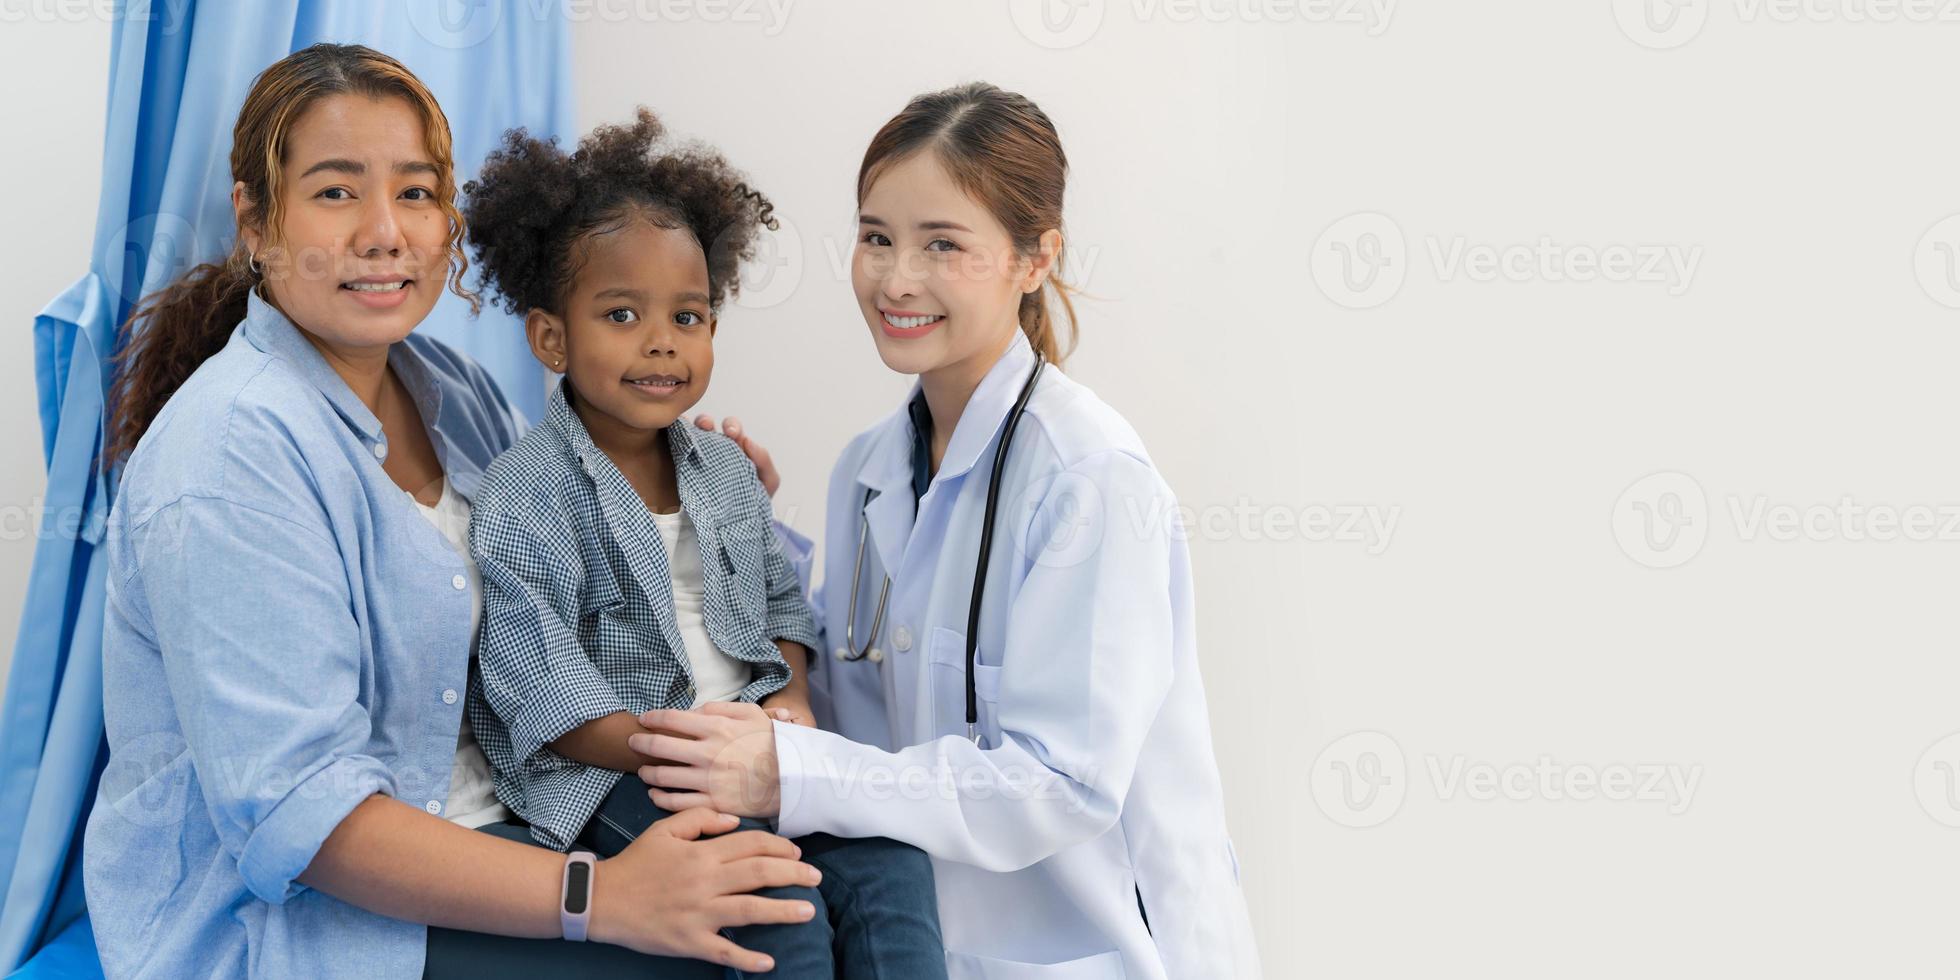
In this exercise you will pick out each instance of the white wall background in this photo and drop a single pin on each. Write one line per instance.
(1543, 622)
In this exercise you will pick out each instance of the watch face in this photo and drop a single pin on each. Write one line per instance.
(578, 875)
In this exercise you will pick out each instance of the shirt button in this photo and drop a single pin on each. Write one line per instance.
(433, 806)
(449, 696)
(380, 451)
(901, 638)
(460, 582)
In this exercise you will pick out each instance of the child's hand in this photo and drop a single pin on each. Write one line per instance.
(789, 708)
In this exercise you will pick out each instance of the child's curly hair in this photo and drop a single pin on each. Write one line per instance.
(532, 208)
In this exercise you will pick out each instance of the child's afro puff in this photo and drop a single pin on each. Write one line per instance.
(531, 208)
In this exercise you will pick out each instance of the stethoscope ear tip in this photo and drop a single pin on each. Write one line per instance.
(841, 654)
(876, 656)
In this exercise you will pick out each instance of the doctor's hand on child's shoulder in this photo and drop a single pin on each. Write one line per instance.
(724, 755)
(765, 468)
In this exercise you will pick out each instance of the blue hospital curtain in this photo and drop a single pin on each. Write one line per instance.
(179, 70)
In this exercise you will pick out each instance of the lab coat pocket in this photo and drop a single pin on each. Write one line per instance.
(947, 656)
(972, 966)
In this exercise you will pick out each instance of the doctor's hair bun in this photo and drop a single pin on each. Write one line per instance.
(533, 206)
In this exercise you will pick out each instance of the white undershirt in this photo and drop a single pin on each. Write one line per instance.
(472, 797)
(717, 676)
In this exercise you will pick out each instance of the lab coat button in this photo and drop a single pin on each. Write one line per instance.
(449, 696)
(433, 806)
(380, 451)
(460, 582)
(902, 638)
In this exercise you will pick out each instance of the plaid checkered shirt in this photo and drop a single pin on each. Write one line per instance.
(578, 610)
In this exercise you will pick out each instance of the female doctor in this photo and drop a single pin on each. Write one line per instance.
(1039, 729)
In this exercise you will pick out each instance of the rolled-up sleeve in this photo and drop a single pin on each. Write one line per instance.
(536, 676)
(263, 657)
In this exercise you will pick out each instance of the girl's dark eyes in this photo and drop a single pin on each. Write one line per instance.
(614, 315)
(875, 238)
(425, 193)
(333, 190)
(688, 318)
(950, 247)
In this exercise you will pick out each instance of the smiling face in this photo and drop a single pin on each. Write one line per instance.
(361, 250)
(636, 338)
(936, 275)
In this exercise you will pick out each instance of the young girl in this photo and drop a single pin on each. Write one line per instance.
(1080, 831)
(626, 556)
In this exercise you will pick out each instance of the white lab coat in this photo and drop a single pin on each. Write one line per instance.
(1096, 785)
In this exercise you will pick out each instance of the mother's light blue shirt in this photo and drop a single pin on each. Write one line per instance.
(285, 635)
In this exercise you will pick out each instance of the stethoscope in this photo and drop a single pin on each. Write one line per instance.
(850, 651)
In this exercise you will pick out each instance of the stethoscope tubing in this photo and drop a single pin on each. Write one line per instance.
(851, 651)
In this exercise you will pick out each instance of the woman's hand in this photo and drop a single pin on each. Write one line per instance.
(726, 759)
(669, 893)
(765, 468)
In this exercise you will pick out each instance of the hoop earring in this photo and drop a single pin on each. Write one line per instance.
(252, 262)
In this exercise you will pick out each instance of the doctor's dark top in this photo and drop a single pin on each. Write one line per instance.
(284, 636)
(578, 606)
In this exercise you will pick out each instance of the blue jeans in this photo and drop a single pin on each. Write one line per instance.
(877, 913)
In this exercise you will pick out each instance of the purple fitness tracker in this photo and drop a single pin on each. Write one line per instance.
(575, 901)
